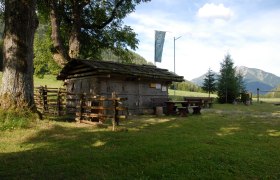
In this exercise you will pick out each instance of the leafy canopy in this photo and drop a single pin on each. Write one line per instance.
(99, 25)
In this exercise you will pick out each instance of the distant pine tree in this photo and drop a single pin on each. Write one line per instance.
(228, 86)
(209, 83)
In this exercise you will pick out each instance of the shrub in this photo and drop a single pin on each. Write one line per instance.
(15, 119)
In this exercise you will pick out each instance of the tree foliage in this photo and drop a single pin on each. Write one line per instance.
(45, 64)
(209, 83)
(43, 60)
(85, 28)
(108, 55)
(229, 84)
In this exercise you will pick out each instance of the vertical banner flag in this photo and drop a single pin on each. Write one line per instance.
(159, 41)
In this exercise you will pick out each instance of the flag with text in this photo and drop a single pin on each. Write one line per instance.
(159, 42)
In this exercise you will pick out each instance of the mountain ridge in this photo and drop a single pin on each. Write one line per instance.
(254, 78)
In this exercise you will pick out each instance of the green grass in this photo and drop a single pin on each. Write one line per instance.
(226, 142)
(268, 100)
(49, 80)
(188, 93)
(180, 94)
(15, 119)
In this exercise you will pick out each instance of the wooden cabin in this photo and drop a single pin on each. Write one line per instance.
(138, 83)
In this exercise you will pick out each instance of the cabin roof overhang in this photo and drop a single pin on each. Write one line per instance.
(83, 68)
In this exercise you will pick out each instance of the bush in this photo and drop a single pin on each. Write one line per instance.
(15, 119)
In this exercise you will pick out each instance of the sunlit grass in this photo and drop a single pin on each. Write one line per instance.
(189, 93)
(226, 142)
(49, 80)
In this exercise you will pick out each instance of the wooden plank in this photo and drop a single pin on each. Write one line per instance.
(121, 108)
(122, 116)
(90, 122)
(93, 115)
(98, 108)
(79, 70)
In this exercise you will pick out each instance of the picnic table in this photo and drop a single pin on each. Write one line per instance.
(201, 101)
(183, 109)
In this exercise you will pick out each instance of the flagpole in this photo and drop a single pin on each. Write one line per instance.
(174, 59)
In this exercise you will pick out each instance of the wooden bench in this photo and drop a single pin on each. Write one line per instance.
(199, 101)
(183, 111)
(196, 109)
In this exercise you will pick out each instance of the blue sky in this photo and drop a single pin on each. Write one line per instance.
(249, 30)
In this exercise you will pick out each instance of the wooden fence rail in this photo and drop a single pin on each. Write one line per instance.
(87, 108)
(51, 101)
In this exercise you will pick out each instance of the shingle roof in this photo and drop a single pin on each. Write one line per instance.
(92, 67)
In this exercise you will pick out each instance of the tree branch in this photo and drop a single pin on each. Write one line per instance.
(113, 14)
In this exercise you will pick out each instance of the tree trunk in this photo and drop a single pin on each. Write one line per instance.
(74, 40)
(17, 83)
(60, 56)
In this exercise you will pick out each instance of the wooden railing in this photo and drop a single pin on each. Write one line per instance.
(97, 108)
(88, 108)
(51, 101)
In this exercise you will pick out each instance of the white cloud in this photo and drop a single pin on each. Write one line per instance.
(252, 38)
(213, 11)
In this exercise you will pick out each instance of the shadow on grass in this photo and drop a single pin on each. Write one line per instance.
(147, 147)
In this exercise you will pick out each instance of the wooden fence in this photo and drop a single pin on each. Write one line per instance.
(86, 108)
(50, 101)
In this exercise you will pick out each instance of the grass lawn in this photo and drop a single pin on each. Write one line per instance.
(49, 80)
(226, 142)
(188, 93)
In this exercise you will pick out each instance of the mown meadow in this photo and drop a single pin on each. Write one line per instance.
(224, 142)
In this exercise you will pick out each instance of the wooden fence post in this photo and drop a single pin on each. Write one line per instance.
(58, 102)
(45, 99)
(80, 109)
(114, 110)
(258, 95)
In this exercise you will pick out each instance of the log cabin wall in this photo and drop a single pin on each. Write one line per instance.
(138, 92)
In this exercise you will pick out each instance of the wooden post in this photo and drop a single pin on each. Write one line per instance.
(45, 98)
(40, 98)
(58, 102)
(258, 95)
(114, 109)
(117, 120)
(80, 109)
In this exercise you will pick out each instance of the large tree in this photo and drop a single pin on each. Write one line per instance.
(209, 82)
(17, 82)
(85, 28)
(228, 83)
